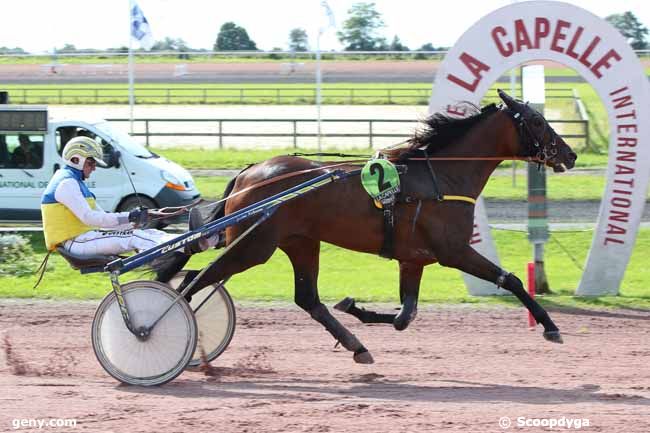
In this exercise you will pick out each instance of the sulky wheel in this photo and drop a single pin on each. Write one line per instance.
(215, 319)
(161, 356)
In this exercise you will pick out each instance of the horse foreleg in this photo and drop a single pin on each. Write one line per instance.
(304, 255)
(471, 262)
(410, 276)
(409, 288)
(348, 305)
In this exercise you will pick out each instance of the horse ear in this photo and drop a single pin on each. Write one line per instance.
(509, 101)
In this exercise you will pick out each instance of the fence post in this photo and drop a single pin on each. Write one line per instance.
(168, 96)
(60, 96)
(587, 143)
(24, 96)
(351, 96)
(241, 96)
(370, 133)
(295, 138)
(390, 96)
(205, 96)
(96, 96)
(220, 136)
(277, 95)
(146, 131)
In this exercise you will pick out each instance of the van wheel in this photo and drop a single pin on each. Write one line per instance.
(133, 202)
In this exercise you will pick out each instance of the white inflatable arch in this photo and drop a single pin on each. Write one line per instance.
(574, 37)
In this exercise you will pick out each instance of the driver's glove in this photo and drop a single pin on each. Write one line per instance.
(139, 216)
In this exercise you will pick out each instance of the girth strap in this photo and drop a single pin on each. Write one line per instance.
(388, 246)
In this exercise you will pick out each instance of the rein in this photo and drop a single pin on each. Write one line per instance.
(359, 161)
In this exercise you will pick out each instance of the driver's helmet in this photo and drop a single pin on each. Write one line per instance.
(82, 148)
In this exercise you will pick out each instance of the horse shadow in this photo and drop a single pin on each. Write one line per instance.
(376, 388)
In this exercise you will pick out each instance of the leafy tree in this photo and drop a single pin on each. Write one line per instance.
(67, 48)
(397, 45)
(122, 49)
(360, 29)
(298, 40)
(427, 47)
(7, 50)
(232, 37)
(631, 28)
(170, 44)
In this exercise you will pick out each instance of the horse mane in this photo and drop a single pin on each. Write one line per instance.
(440, 130)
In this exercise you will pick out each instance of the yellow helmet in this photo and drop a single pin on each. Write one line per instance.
(82, 148)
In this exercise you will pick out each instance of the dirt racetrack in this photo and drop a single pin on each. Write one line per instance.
(457, 368)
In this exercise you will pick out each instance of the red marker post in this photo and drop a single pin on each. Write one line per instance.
(531, 291)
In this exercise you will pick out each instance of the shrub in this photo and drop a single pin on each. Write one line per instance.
(16, 256)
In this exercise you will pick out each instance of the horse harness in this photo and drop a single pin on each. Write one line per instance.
(408, 195)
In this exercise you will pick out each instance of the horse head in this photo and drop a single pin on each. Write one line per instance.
(537, 139)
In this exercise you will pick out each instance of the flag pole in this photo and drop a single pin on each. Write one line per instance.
(318, 90)
(131, 97)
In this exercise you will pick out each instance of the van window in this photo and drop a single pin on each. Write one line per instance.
(66, 133)
(24, 151)
(125, 141)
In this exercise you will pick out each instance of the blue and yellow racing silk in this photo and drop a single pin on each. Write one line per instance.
(59, 223)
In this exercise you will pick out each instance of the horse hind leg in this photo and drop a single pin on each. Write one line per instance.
(254, 249)
(304, 255)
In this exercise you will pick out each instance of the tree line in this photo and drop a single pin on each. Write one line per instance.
(361, 31)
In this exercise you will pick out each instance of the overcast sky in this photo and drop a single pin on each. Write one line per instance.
(40, 25)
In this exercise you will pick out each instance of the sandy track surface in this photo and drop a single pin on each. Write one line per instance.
(455, 369)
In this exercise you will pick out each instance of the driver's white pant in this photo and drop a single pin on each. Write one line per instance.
(112, 242)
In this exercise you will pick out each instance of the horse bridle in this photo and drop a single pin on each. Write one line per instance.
(535, 147)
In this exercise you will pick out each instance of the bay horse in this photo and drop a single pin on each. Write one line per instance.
(462, 153)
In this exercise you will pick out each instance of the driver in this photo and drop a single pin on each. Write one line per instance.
(73, 219)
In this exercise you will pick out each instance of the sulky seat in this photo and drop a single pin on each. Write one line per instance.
(86, 264)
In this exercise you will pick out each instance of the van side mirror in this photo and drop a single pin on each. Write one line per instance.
(114, 159)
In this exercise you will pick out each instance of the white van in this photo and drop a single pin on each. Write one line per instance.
(30, 153)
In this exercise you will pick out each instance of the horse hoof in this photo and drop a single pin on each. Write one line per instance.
(553, 337)
(363, 358)
(345, 304)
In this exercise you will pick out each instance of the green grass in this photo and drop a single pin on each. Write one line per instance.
(197, 158)
(559, 187)
(370, 278)
(200, 93)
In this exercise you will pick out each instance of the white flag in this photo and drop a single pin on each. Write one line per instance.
(140, 29)
(330, 16)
